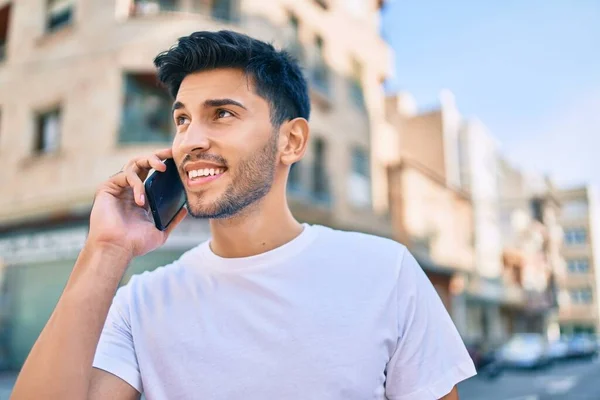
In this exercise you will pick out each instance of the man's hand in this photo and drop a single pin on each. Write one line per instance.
(120, 216)
(59, 365)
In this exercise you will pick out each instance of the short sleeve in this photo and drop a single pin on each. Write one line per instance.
(430, 357)
(115, 352)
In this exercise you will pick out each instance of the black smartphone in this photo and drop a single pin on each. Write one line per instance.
(165, 194)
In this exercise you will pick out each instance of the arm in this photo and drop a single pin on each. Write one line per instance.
(453, 395)
(60, 363)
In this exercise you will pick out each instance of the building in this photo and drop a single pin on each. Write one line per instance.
(531, 238)
(491, 295)
(579, 280)
(79, 98)
(430, 212)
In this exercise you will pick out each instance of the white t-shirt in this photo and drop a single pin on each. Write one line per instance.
(330, 315)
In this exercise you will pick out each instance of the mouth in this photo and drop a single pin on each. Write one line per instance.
(204, 175)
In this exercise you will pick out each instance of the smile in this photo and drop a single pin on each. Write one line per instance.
(204, 175)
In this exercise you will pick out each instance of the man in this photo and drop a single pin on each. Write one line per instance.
(268, 308)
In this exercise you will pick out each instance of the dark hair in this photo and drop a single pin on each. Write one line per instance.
(276, 75)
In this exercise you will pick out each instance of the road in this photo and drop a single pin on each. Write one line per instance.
(572, 380)
(576, 380)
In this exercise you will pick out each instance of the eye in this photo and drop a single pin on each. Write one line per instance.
(181, 120)
(221, 113)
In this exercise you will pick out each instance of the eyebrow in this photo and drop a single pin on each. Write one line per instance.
(212, 103)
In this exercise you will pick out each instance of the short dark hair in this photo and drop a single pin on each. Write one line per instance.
(276, 75)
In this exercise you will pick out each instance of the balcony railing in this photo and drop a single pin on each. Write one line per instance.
(152, 7)
(224, 10)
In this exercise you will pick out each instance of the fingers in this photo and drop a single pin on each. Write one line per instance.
(136, 183)
(178, 218)
(135, 172)
(164, 153)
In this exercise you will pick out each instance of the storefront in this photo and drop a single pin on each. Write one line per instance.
(38, 263)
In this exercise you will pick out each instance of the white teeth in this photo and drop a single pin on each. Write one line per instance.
(205, 172)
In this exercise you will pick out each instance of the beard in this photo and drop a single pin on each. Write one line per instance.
(251, 181)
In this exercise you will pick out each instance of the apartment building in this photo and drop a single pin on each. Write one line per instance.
(531, 238)
(431, 214)
(79, 98)
(579, 280)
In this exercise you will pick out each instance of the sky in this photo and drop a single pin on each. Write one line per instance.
(529, 70)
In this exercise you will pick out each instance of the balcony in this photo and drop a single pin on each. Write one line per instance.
(152, 7)
(224, 10)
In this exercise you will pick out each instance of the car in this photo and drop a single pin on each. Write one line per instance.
(525, 351)
(582, 346)
(558, 349)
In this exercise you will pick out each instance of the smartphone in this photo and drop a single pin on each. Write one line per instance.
(165, 194)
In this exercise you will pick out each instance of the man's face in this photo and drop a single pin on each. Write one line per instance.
(225, 146)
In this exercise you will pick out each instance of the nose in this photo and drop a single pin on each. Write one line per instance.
(195, 140)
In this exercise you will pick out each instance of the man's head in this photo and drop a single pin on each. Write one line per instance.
(241, 110)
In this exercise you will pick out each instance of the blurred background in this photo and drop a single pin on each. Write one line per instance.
(467, 131)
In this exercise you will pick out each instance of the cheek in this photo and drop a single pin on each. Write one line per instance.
(177, 152)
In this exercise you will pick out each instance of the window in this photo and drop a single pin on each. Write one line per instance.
(146, 115)
(575, 236)
(359, 182)
(4, 19)
(150, 7)
(537, 209)
(320, 71)
(47, 131)
(59, 14)
(581, 296)
(294, 45)
(223, 9)
(575, 209)
(356, 89)
(581, 266)
(320, 183)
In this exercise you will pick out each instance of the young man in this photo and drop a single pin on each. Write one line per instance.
(268, 308)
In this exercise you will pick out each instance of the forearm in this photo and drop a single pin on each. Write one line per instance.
(60, 363)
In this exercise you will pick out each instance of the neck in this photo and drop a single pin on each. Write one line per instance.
(259, 228)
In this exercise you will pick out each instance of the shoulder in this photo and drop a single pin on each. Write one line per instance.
(160, 283)
(363, 248)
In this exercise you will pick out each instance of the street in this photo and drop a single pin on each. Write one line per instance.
(572, 380)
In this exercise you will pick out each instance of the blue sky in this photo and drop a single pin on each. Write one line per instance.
(530, 70)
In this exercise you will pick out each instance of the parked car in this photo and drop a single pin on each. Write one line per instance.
(525, 350)
(582, 346)
(558, 350)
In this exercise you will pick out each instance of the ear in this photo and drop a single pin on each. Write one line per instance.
(293, 137)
